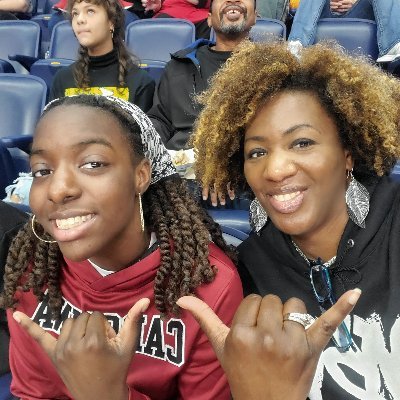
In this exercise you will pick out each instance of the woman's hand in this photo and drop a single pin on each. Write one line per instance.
(217, 196)
(265, 357)
(152, 5)
(341, 6)
(91, 359)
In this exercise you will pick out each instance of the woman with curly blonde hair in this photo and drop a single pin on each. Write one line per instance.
(314, 136)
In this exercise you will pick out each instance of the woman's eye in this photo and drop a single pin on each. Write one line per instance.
(93, 164)
(41, 172)
(257, 153)
(303, 143)
(91, 11)
(74, 14)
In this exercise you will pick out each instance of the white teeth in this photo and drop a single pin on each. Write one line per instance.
(72, 222)
(286, 197)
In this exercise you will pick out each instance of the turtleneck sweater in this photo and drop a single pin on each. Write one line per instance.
(103, 77)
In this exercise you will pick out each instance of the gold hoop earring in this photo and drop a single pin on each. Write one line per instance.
(141, 212)
(34, 232)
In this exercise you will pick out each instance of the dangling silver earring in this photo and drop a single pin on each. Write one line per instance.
(141, 212)
(258, 216)
(34, 232)
(112, 33)
(357, 200)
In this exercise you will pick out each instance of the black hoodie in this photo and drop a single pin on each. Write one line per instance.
(368, 259)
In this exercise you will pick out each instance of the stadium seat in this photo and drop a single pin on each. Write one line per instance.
(395, 174)
(22, 98)
(5, 382)
(358, 36)
(19, 44)
(264, 29)
(235, 219)
(154, 68)
(155, 39)
(63, 43)
(234, 224)
(63, 51)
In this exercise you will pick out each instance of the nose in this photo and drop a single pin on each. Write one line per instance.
(80, 18)
(63, 186)
(278, 166)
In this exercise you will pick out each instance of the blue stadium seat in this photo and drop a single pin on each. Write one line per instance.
(5, 382)
(63, 43)
(19, 44)
(264, 29)
(234, 219)
(154, 68)
(395, 174)
(234, 224)
(155, 39)
(358, 36)
(22, 98)
(63, 51)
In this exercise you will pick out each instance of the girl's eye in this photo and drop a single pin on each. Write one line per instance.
(255, 153)
(302, 143)
(91, 11)
(74, 14)
(93, 164)
(41, 172)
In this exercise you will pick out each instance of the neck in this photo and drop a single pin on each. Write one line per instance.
(224, 43)
(322, 243)
(118, 260)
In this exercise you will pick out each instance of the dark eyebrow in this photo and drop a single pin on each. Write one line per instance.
(284, 133)
(84, 143)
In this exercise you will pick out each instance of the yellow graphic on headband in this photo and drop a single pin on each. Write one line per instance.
(121, 93)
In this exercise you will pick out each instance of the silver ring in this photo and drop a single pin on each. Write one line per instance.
(305, 320)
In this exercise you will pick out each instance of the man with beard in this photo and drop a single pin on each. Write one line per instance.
(189, 71)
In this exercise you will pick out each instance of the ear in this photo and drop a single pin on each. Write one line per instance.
(209, 20)
(143, 175)
(349, 160)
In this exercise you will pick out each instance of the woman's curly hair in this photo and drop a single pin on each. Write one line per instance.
(363, 101)
(115, 14)
(170, 211)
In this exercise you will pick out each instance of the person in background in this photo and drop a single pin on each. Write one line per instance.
(189, 72)
(195, 11)
(314, 137)
(9, 9)
(386, 14)
(104, 65)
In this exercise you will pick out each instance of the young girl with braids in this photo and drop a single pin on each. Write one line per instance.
(113, 223)
(104, 65)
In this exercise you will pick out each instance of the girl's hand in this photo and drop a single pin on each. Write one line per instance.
(91, 359)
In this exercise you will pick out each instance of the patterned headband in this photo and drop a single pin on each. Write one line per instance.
(154, 150)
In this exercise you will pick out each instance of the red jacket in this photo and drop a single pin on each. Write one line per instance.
(175, 351)
(185, 10)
